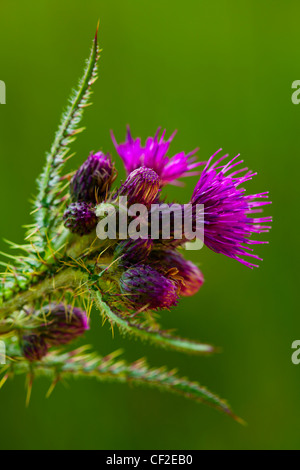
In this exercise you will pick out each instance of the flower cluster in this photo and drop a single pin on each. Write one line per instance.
(119, 249)
(59, 325)
(152, 273)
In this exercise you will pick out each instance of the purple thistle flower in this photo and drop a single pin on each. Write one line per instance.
(141, 187)
(227, 227)
(34, 347)
(154, 155)
(133, 251)
(80, 218)
(63, 324)
(93, 180)
(173, 265)
(146, 286)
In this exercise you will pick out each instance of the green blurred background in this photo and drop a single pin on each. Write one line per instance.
(220, 72)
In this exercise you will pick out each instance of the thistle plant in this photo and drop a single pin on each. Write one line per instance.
(64, 268)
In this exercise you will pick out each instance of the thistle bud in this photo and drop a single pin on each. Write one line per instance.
(141, 187)
(133, 251)
(193, 279)
(146, 286)
(80, 218)
(92, 182)
(63, 324)
(189, 275)
(34, 347)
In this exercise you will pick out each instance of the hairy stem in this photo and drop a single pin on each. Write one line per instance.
(67, 278)
(161, 338)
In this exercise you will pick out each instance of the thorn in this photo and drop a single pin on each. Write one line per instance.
(100, 254)
(32, 233)
(35, 210)
(85, 105)
(68, 176)
(52, 387)
(3, 380)
(29, 388)
(77, 131)
(111, 264)
(8, 256)
(239, 420)
(112, 330)
(133, 315)
(97, 30)
(70, 156)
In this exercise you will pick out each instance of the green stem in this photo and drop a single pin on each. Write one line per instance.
(49, 181)
(161, 338)
(67, 278)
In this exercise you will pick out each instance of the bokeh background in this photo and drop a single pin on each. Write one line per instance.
(221, 73)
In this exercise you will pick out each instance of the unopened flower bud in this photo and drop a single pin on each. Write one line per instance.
(146, 286)
(34, 347)
(141, 187)
(133, 251)
(172, 264)
(92, 182)
(80, 218)
(63, 324)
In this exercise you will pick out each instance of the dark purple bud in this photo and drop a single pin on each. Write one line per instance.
(133, 251)
(193, 279)
(173, 265)
(141, 187)
(80, 218)
(63, 324)
(93, 180)
(34, 347)
(146, 286)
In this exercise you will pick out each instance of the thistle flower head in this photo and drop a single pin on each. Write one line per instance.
(228, 221)
(172, 263)
(93, 180)
(63, 324)
(34, 347)
(141, 186)
(133, 252)
(154, 155)
(80, 218)
(146, 286)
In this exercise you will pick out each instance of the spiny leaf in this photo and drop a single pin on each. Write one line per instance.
(78, 364)
(49, 183)
(161, 338)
